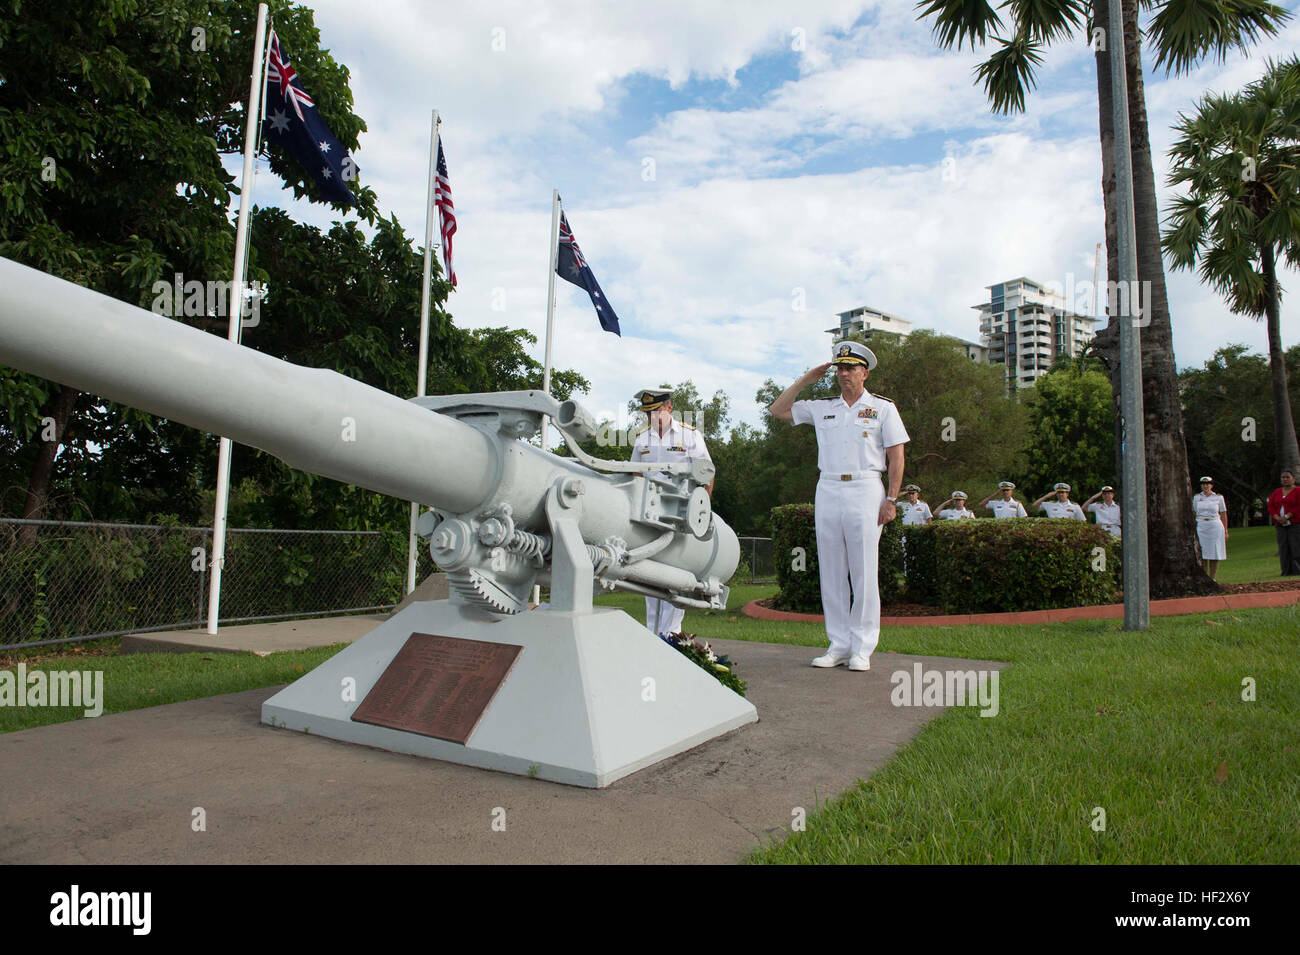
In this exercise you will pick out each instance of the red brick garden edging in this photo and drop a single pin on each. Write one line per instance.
(1159, 608)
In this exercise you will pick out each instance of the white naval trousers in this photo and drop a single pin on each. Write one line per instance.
(662, 617)
(848, 548)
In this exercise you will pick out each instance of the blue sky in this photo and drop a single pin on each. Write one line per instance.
(798, 156)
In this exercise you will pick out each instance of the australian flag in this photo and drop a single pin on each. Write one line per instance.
(573, 268)
(293, 123)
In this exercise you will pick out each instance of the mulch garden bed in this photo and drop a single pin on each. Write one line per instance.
(1263, 586)
(889, 610)
(921, 610)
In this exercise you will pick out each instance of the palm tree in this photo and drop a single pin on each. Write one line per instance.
(1240, 157)
(1183, 32)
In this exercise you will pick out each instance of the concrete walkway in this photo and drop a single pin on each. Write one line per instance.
(123, 788)
(260, 638)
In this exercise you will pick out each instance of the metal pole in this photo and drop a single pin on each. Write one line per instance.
(423, 365)
(550, 305)
(203, 574)
(1137, 608)
(550, 320)
(236, 299)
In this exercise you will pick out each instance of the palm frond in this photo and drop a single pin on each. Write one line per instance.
(1231, 272)
(1048, 20)
(1185, 31)
(956, 21)
(1009, 73)
(1185, 229)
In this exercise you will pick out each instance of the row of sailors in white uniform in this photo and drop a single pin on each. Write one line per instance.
(916, 511)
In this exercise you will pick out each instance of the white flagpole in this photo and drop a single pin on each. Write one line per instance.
(236, 299)
(422, 375)
(550, 305)
(550, 319)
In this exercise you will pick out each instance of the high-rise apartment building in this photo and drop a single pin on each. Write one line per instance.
(866, 322)
(1026, 327)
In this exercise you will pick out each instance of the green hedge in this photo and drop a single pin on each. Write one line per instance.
(797, 575)
(980, 566)
(987, 566)
(794, 551)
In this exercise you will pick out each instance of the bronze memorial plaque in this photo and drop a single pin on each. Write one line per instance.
(438, 686)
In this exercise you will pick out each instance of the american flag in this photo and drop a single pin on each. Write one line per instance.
(446, 211)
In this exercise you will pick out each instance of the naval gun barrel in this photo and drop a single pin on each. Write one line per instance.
(310, 418)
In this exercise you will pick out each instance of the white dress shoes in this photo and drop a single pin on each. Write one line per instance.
(830, 660)
(860, 661)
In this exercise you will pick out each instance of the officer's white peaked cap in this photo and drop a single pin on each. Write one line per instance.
(853, 353)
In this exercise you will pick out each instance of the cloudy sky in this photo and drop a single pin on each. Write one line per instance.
(736, 174)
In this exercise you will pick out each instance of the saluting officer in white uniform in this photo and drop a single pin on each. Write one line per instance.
(1006, 505)
(1062, 506)
(665, 440)
(1106, 510)
(957, 512)
(1211, 526)
(914, 510)
(859, 436)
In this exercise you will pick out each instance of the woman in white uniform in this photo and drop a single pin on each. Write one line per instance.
(1211, 526)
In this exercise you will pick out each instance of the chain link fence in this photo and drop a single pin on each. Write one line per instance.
(65, 581)
(757, 560)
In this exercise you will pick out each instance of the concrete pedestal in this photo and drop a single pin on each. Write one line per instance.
(592, 697)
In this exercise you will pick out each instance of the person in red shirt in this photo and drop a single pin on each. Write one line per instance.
(1284, 514)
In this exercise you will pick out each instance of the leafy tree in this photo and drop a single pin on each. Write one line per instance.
(965, 431)
(1070, 433)
(1229, 413)
(1183, 33)
(113, 118)
(1239, 156)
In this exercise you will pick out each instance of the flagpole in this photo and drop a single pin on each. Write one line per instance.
(236, 299)
(550, 306)
(423, 365)
(550, 320)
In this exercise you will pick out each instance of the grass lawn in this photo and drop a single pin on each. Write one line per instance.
(1151, 727)
(1252, 555)
(137, 680)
